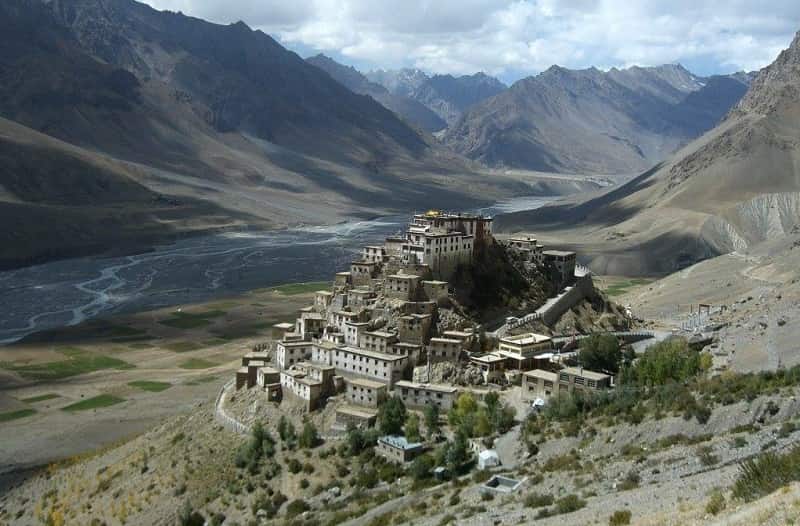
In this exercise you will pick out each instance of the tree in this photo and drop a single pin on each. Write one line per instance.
(600, 352)
(483, 426)
(355, 440)
(432, 419)
(465, 405)
(412, 428)
(309, 438)
(456, 454)
(392, 416)
(421, 467)
(670, 360)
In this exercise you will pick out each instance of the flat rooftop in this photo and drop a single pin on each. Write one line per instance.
(558, 253)
(380, 334)
(446, 340)
(585, 373)
(441, 388)
(370, 354)
(372, 384)
(488, 358)
(403, 276)
(285, 326)
(529, 338)
(541, 373)
(358, 412)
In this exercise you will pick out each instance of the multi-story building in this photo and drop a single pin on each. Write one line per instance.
(443, 350)
(363, 392)
(353, 361)
(525, 351)
(418, 396)
(288, 353)
(528, 247)
(560, 265)
(379, 341)
(374, 254)
(542, 384)
(414, 328)
(401, 286)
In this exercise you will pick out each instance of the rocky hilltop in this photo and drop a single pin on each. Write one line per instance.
(446, 95)
(620, 121)
(414, 112)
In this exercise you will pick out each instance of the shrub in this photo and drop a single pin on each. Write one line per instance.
(707, 456)
(537, 500)
(787, 428)
(296, 507)
(294, 465)
(620, 518)
(309, 438)
(764, 474)
(716, 503)
(486, 496)
(569, 503)
(631, 481)
(189, 517)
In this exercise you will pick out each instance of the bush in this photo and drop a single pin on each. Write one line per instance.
(631, 481)
(707, 456)
(569, 504)
(537, 500)
(716, 503)
(766, 473)
(620, 518)
(296, 507)
(309, 438)
(188, 517)
(294, 466)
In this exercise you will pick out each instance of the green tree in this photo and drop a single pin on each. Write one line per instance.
(670, 360)
(412, 428)
(432, 419)
(309, 438)
(421, 467)
(483, 426)
(457, 453)
(465, 405)
(600, 352)
(392, 416)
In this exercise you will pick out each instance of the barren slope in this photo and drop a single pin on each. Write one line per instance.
(735, 186)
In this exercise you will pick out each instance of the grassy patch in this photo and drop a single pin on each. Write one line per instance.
(618, 288)
(192, 320)
(183, 346)
(203, 380)
(14, 415)
(96, 402)
(293, 289)
(79, 362)
(40, 398)
(196, 363)
(766, 473)
(153, 387)
(236, 332)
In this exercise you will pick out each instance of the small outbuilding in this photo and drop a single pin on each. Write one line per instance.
(488, 458)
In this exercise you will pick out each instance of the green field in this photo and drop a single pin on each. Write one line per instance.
(291, 289)
(40, 398)
(196, 363)
(103, 400)
(19, 413)
(618, 288)
(192, 320)
(153, 387)
(79, 362)
(183, 346)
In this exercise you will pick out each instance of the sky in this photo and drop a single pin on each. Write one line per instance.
(511, 39)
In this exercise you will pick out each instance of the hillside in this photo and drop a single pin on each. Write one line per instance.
(220, 116)
(733, 187)
(590, 121)
(409, 109)
(448, 96)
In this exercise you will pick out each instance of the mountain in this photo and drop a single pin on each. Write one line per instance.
(200, 126)
(731, 189)
(409, 109)
(446, 95)
(590, 121)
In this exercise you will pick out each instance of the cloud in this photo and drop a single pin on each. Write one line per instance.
(518, 37)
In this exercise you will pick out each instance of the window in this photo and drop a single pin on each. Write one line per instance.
(579, 380)
(564, 377)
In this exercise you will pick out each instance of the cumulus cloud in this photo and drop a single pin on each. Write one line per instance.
(519, 37)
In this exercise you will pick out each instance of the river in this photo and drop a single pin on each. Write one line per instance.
(68, 292)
